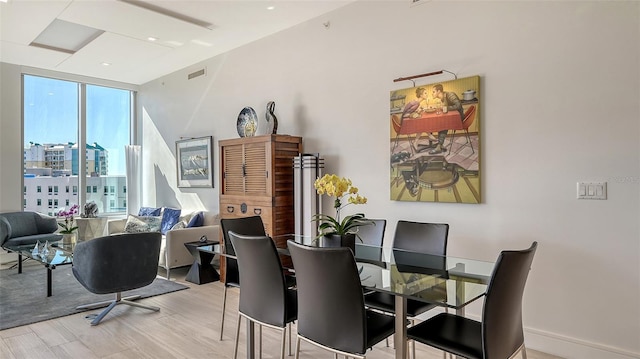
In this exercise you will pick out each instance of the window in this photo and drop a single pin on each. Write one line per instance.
(55, 203)
(39, 202)
(50, 203)
(25, 189)
(112, 189)
(53, 112)
(66, 202)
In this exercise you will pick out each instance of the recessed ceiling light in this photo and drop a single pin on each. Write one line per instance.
(271, 7)
(151, 38)
(106, 64)
(201, 43)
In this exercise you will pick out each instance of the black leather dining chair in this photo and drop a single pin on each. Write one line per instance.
(331, 311)
(500, 334)
(265, 298)
(372, 234)
(115, 264)
(429, 238)
(249, 226)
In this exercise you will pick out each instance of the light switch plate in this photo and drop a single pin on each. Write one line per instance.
(592, 190)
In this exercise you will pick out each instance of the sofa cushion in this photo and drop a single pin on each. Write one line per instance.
(149, 211)
(170, 216)
(136, 224)
(197, 220)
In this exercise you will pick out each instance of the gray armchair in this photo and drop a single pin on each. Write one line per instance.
(114, 264)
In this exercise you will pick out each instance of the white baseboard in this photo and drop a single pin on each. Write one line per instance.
(572, 348)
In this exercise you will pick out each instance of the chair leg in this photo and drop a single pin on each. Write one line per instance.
(524, 352)
(259, 341)
(283, 341)
(235, 349)
(289, 338)
(297, 347)
(102, 314)
(224, 304)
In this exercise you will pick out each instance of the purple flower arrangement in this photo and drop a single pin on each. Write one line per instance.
(67, 226)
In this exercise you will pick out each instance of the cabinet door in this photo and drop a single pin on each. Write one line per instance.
(256, 178)
(233, 169)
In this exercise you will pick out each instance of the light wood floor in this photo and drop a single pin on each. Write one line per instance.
(187, 326)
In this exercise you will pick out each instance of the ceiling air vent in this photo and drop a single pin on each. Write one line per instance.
(193, 75)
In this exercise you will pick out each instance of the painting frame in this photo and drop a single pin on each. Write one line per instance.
(435, 142)
(194, 162)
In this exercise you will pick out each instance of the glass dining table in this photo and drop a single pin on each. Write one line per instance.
(446, 281)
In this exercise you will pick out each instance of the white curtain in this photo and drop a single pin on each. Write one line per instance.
(134, 169)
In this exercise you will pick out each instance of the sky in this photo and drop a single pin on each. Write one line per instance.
(51, 116)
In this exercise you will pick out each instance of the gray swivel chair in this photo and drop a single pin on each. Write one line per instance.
(265, 298)
(499, 335)
(114, 264)
(331, 311)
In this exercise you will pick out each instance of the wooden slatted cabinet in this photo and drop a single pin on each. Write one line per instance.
(256, 178)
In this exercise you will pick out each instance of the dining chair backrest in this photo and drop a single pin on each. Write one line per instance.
(502, 311)
(248, 226)
(373, 234)
(469, 116)
(331, 308)
(421, 237)
(263, 294)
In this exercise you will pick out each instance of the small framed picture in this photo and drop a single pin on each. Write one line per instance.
(194, 160)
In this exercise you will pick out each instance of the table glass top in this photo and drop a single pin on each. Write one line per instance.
(443, 280)
(52, 255)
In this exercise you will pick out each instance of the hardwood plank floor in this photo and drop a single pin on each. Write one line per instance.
(187, 326)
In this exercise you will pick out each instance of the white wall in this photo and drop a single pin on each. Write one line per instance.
(561, 97)
(560, 84)
(10, 138)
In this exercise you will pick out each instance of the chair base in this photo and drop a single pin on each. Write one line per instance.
(112, 304)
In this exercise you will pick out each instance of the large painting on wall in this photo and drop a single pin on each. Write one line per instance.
(435, 142)
(194, 160)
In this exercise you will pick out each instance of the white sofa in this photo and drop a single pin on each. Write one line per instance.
(173, 253)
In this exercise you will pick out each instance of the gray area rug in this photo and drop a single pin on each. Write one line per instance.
(23, 297)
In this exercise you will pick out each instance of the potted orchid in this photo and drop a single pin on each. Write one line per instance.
(338, 230)
(68, 226)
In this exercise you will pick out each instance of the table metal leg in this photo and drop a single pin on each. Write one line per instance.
(49, 291)
(19, 263)
(400, 336)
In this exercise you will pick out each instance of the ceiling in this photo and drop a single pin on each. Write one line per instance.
(125, 45)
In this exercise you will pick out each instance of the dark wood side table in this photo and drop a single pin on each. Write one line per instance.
(201, 271)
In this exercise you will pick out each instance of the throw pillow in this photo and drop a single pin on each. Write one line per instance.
(137, 224)
(149, 211)
(179, 225)
(196, 221)
(170, 216)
